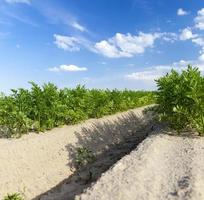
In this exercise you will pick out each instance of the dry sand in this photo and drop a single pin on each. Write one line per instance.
(162, 167)
(36, 163)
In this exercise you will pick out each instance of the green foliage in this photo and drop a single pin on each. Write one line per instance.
(46, 107)
(83, 157)
(181, 99)
(14, 196)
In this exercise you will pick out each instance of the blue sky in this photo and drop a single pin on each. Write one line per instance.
(101, 43)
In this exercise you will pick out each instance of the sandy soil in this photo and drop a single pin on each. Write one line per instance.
(35, 163)
(162, 167)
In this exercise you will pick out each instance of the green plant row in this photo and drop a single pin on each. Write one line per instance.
(181, 99)
(46, 107)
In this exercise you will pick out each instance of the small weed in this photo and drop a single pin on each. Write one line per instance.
(83, 157)
(14, 196)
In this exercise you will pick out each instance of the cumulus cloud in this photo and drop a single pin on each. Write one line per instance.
(110, 50)
(199, 41)
(144, 75)
(181, 12)
(199, 20)
(67, 43)
(155, 72)
(19, 1)
(121, 45)
(187, 34)
(67, 68)
(126, 45)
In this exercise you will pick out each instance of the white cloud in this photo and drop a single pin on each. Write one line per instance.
(121, 45)
(169, 37)
(199, 20)
(56, 15)
(67, 43)
(19, 1)
(162, 68)
(109, 50)
(78, 26)
(144, 75)
(126, 45)
(150, 74)
(201, 57)
(67, 68)
(187, 34)
(155, 72)
(181, 12)
(199, 41)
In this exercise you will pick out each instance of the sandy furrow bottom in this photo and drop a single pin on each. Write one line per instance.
(36, 163)
(162, 167)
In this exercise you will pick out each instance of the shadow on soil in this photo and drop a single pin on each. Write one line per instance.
(109, 141)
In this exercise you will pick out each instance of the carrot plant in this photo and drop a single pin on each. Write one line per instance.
(14, 196)
(83, 157)
(45, 107)
(181, 99)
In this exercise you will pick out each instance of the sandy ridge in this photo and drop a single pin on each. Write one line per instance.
(162, 167)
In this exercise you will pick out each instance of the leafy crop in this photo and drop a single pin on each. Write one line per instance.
(46, 107)
(14, 196)
(83, 157)
(181, 99)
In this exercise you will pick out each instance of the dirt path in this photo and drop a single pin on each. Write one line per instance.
(37, 163)
(163, 167)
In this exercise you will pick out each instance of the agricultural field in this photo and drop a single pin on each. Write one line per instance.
(46, 107)
(164, 120)
(180, 98)
(101, 100)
